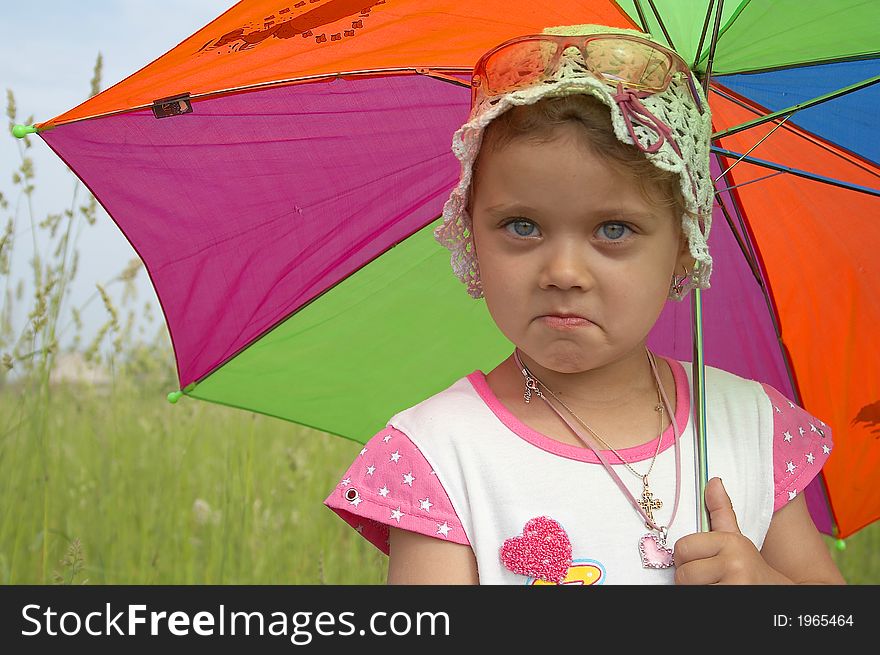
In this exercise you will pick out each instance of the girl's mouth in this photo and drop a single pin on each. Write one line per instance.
(565, 322)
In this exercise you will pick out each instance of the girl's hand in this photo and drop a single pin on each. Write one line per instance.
(724, 555)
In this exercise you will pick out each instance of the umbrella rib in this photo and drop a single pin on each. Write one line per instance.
(852, 157)
(744, 245)
(797, 172)
(713, 42)
(703, 34)
(723, 30)
(757, 179)
(432, 72)
(760, 141)
(804, 64)
(662, 26)
(798, 107)
(641, 13)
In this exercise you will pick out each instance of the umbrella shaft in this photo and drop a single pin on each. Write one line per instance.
(699, 394)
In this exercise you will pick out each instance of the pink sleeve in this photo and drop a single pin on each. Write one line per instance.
(801, 445)
(391, 483)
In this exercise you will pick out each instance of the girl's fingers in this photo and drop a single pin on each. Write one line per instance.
(722, 518)
(698, 546)
(699, 572)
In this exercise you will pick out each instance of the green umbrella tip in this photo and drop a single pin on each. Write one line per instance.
(174, 396)
(21, 131)
(840, 544)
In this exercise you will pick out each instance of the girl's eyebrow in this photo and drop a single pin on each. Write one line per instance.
(612, 213)
(509, 208)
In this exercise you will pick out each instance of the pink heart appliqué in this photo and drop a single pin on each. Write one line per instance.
(543, 551)
(655, 556)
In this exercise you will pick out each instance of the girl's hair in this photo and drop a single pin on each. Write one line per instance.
(537, 123)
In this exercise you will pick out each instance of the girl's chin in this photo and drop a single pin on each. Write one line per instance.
(566, 359)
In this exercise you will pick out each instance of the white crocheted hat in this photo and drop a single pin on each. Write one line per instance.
(690, 129)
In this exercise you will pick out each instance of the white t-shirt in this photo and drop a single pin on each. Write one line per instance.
(459, 466)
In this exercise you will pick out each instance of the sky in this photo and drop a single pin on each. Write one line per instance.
(46, 58)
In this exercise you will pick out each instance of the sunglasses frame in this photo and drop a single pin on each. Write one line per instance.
(580, 42)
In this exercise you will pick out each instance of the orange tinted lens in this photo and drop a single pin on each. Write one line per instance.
(517, 65)
(635, 64)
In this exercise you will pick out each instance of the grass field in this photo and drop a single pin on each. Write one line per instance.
(191, 493)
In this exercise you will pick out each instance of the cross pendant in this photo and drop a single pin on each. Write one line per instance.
(648, 503)
(531, 387)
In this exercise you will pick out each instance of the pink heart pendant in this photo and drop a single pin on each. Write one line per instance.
(655, 556)
(543, 551)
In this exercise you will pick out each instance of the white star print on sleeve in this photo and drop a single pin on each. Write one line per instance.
(391, 483)
(801, 445)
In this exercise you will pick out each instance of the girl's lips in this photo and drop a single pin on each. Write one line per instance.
(564, 322)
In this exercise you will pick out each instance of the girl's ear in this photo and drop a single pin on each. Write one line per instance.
(684, 254)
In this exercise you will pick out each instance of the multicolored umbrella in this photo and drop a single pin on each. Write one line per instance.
(281, 171)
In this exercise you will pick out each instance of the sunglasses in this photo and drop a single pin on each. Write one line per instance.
(615, 59)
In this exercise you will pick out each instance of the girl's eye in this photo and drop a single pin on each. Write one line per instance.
(521, 227)
(614, 231)
(609, 232)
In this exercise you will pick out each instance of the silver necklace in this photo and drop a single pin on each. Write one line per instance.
(654, 553)
(648, 502)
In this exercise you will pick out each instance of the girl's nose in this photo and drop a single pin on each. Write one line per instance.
(567, 267)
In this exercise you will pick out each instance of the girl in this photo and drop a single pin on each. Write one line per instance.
(584, 203)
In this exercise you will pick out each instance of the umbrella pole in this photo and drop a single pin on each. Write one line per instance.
(701, 472)
(699, 395)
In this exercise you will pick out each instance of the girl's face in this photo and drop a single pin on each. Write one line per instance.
(558, 231)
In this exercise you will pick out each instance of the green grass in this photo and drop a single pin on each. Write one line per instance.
(191, 493)
(859, 562)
